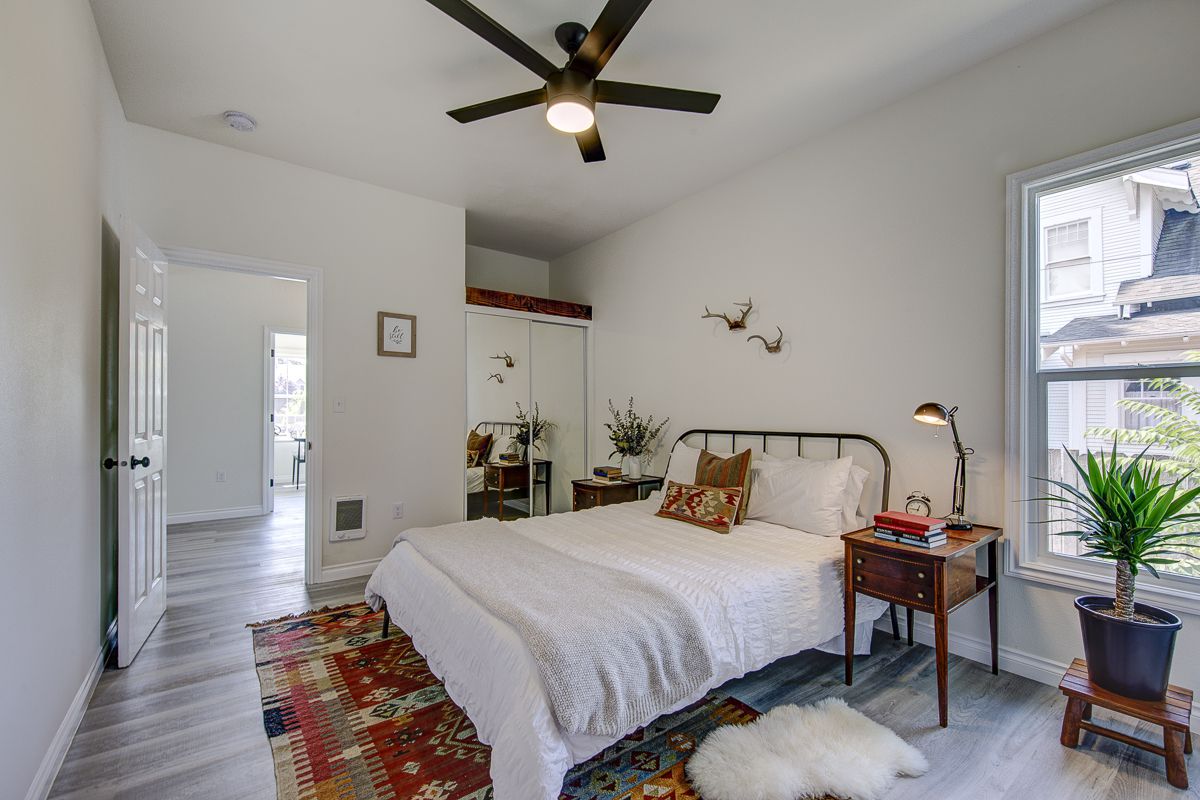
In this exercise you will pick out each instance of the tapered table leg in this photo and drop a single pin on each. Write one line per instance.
(942, 648)
(849, 622)
(909, 624)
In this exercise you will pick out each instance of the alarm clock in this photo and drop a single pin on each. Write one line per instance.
(917, 503)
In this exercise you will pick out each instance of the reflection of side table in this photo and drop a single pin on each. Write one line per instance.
(298, 459)
(514, 477)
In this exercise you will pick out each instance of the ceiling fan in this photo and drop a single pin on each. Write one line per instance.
(572, 91)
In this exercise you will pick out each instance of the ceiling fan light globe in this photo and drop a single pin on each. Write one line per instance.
(570, 114)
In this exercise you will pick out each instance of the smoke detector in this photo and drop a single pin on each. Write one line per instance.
(240, 121)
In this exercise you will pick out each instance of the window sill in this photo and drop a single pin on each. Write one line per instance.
(1149, 590)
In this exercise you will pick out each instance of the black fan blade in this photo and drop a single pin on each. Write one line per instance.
(501, 105)
(606, 35)
(636, 94)
(497, 34)
(589, 144)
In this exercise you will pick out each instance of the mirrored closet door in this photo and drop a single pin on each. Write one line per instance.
(527, 406)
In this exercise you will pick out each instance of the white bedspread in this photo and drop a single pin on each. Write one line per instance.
(763, 592)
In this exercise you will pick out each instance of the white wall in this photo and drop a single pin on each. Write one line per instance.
(60, 158)
(400, 436)
(215, 383)
(880, 250)
(505, 272)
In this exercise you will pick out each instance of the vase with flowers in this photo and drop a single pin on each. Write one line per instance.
(633, 437)
(532, 430)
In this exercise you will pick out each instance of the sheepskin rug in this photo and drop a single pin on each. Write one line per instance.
(791, 752)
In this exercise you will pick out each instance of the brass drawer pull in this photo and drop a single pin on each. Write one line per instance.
(858, 561)
(858, 578)
(920, 595)
(921, 575)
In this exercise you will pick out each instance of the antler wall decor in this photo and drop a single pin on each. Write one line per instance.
(497, 376)
(772, 347)
(506, 358)
(734, 324)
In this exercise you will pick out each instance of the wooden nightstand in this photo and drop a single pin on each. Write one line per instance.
(589, 493)
(936, 581)
(504, 477)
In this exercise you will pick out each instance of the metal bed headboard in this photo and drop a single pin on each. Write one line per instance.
(765, 436)
(502, 428)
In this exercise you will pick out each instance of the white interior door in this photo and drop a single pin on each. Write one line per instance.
(142, 433)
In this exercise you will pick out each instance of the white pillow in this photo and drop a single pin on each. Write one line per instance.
(851, 499)
(682, 468)
(802, 494)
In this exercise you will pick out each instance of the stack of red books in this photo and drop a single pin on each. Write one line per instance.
(896, 526)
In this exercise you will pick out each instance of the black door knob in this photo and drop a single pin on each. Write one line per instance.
(109, 463)
(144, 461)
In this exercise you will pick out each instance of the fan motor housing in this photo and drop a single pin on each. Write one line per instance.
(570, 85)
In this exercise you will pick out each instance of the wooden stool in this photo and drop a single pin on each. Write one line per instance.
(1173, 713)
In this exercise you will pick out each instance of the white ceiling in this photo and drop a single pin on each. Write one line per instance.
(359, 88)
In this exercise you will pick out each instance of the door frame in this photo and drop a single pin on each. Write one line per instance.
(269, 334)
(314, 277)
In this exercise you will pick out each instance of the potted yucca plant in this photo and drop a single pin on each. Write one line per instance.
(1123, 511)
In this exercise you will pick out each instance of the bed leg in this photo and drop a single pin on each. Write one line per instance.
(386, 622)
(895, 622)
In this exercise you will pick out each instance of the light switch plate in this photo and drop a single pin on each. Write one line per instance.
(397, 510)
(339, 406)
(220, 476)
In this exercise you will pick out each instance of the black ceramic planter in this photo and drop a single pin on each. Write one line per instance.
(1132, 659)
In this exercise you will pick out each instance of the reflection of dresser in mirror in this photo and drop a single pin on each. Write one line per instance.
(539, 350)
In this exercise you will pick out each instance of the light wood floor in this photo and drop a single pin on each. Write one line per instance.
(184, 720)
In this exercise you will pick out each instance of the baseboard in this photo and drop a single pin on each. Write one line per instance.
(217, 514)
(1018, 662)
(340, 572)
(61, 743)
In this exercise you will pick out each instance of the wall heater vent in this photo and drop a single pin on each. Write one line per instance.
(348, 518)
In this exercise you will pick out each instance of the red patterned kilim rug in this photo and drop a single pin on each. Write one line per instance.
(353, 716)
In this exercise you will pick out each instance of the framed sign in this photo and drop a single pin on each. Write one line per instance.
(397, 335)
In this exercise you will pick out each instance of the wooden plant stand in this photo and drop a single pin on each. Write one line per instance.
(1172, 713)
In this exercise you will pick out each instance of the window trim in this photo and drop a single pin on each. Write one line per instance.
(1026, 555)
(1094, 218)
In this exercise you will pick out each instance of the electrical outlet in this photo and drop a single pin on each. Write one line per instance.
(339, 406)
(397, 510)
(220, 476)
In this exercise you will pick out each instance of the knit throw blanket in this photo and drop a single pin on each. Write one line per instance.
(613, 649)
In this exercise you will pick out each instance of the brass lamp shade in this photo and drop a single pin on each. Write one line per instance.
(932, 414)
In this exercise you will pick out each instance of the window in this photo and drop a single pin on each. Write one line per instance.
(1068, 259)
(1141, 396)
(1070, 247)
(1118, 365)
(289, 390)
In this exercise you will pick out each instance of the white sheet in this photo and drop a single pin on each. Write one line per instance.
(763, 592)
(474, 479)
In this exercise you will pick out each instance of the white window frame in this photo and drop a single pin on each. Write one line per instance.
(1093, 217)
(1027, 555)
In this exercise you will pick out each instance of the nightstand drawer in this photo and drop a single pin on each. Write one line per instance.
(894, 589)
(895, 568)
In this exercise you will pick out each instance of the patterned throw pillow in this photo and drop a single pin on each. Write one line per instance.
(477, 448)
(706, 506)
(726, 473)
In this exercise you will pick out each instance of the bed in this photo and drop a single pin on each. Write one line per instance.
(475, 485)
(762, 593)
